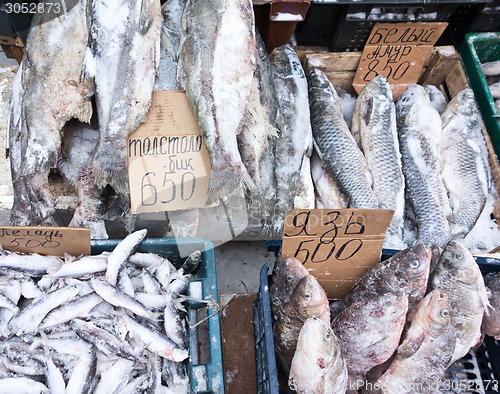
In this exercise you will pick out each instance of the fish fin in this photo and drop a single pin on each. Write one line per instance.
(121, 211)
(166, 42)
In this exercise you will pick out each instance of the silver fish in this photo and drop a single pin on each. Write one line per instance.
(154, 340)
(120, 254)
(54, 92)
(336, 145)
(491, 68)
(419, 129)
(103, 340)
(79, 144)
(84, 266)
(466, 171)
(114, 378)
(83, 374)
(374, 120)
(26, 323)
(317, 365)
(118, 298)
(122, 61)
(55, 379)
(30, 264)
(22, 385)
(295, 141)
(458, 276)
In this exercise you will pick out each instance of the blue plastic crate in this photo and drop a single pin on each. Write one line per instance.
(208, 377)
(478, 371)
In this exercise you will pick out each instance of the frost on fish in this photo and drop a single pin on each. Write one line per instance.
(329, 195)
(218, 90)
(423, 356)
(335, 144)
(466, 172)
(79, 146)
(374, 122)
(458, 275)
(295, 141)
(419, 129)
(122, 61)
(436, 97)
(53, 92)
(305, 198)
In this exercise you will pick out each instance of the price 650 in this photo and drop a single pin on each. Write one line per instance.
(163, 189)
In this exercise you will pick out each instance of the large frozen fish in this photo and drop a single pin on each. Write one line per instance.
(53, 92)
(317, 365)
(457, 274)
(308, 299)
(407, 271)
(374, 124)
(122, 61)
(287, 274)
(79, 146)
(294, 146)
(419, 129)
(422, 358)
(336, 145)
(369, 332)
(216, 68)
(491, 322)
(466, 172)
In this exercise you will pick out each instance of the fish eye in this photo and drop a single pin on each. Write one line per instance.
(445, 313)
(328, 337)
(289, 277)
(459, 256)
(414, 264)
(307, 295)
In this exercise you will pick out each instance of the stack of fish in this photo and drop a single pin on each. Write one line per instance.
(106, 323)
(405, 150)
(397, 330)
(491, 71)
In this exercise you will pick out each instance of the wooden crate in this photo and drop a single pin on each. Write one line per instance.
(443, 69)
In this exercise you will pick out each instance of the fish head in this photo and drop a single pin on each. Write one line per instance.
(318, 79)
(310, 299)
(459, 263)
(317, 338)
(433, 313)
(378, 86)
(288, 274)
(413, 264)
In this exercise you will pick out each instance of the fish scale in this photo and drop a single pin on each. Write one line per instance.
(336, 145)
(466, 173)
(419, 130)
(374, 121)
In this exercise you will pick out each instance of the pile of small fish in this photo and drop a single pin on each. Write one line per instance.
(105, 323)
(405, 153)
(491, 71)
(396, 331)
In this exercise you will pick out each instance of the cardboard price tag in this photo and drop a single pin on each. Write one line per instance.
(398, 51)
(54, 241)
(169, 166)
(336, 246)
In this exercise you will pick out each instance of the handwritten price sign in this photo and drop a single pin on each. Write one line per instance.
(169, 166)
(53, 241)
(336, 246)
(398, 51)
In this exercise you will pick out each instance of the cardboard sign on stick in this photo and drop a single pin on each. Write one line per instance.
(54, 241)
(336, 246)
(168, 162)
(398, 51)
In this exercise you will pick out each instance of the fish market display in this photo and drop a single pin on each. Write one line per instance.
(407, 271)
(336, 145)
(294, 146)
(466, 173)
(122, 62)
(308, 299)
(419, 128)
(49, 92)
(212, 33)
(374, 128)
(70, 329)
(458, 276)
(318, 365)
(491, 321)
(369, 332)
(423, 356)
